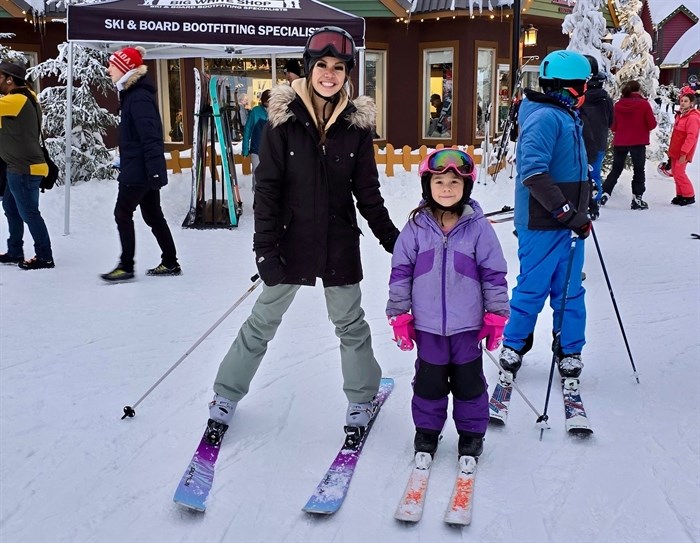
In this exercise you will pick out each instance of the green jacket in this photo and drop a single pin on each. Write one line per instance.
(20, 141)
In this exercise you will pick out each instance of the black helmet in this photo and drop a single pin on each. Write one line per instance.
(329, 41)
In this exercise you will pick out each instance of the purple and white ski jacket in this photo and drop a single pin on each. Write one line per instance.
(448, 281)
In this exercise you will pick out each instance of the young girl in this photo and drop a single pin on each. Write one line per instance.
(684, 139)
(448, 270)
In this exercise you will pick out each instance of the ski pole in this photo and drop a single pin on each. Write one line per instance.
(516, 387)
(542, 419)
(130, 411)
(612, 297)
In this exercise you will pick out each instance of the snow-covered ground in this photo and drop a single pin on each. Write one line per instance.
(75, 351)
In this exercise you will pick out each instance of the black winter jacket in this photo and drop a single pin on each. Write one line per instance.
(304, 209)
(141, 147)
(597, 117)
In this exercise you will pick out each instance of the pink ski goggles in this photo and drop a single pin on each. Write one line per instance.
(448, 159)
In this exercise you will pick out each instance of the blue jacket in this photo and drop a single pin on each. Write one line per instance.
(551, 161)
(141, 147)
(252, 133)
(448, 281)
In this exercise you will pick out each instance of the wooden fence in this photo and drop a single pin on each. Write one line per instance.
(388, 158)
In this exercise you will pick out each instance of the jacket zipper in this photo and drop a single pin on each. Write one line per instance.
(444, 284)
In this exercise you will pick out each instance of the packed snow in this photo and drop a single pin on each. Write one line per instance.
(75, 351)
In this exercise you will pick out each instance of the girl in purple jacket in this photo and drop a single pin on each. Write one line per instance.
(447, 292)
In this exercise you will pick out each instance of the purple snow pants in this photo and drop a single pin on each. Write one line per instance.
(450, 364)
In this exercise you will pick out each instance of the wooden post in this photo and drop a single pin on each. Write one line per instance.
(406, 156)
(390, 157)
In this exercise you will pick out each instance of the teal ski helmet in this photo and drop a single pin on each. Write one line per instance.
(561, 69)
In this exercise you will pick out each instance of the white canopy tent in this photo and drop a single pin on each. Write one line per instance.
(199, 28)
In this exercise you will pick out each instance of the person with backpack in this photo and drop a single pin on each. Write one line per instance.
(447, 292)
(142, 170)
(20, 149)
(684, 140)
(316, 166)
(552, 192)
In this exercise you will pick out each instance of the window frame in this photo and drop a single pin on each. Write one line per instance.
(480, 45)
(423, 49)
(382, 49)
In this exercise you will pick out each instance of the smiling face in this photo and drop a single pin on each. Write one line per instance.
(328, 76)
(446, 188)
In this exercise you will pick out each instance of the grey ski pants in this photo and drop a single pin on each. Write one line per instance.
(361, 372)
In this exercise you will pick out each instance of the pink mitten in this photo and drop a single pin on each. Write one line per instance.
(492, 330)
(404, 332)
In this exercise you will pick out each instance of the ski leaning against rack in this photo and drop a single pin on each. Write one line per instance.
(192, 213)
(331, 491)
(196, 482)
(224, 145)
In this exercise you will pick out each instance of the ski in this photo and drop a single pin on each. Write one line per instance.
(500, 398)
(331, 491)
(576, 419)
(459, 508)
(192, 213)
(198, 478)
(695, 236)
(505, 218)
(224, 146)
(504, 209)
(410, 508)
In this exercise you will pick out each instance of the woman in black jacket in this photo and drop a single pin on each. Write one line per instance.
(142, 164)
(316, 163)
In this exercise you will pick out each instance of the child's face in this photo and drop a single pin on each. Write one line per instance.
(446, 188)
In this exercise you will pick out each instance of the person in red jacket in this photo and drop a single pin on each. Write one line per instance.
(684, 139)
(632, 122)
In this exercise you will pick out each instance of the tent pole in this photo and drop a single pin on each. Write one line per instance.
(361, 74)
(68, 138)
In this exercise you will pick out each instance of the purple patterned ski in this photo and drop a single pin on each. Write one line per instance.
(197, 480)
(333, 488)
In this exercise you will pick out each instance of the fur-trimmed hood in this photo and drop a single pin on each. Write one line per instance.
(360, 113)
(136, 74)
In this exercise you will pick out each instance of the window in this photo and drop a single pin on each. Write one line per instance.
(503, 95)
(485, 74)
(170, 83)
(375, 87)
(531, 78)
(438, 93)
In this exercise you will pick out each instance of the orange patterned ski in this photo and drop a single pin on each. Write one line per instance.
(410, 508)
(459, 508)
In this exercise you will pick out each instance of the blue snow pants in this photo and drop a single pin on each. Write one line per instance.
(544, 256)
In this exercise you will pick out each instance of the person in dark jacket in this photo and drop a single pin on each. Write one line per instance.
(142, 165)
(20, 149)
(252, 133)
(597, 116)
(632, 123)
(316, 164)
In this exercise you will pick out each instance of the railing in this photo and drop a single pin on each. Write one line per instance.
(388, 157)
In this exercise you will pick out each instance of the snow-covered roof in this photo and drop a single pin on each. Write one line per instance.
(687, 46)
(660, 9)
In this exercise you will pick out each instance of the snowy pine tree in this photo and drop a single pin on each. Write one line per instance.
(586, 28)
(90, 159)
(7, 54)
(639, 62)
(664, 111)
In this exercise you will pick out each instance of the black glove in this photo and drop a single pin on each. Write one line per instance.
(593, 209)
(270, 268)
(574, 220)
(389, 242)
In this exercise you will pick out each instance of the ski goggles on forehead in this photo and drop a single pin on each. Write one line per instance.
(333, 41)
(448, 159)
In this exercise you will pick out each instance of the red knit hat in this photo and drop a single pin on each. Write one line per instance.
(128, 58)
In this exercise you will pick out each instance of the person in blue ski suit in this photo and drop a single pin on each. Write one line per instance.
(552, 193)
(448, 291)
(252, 133)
